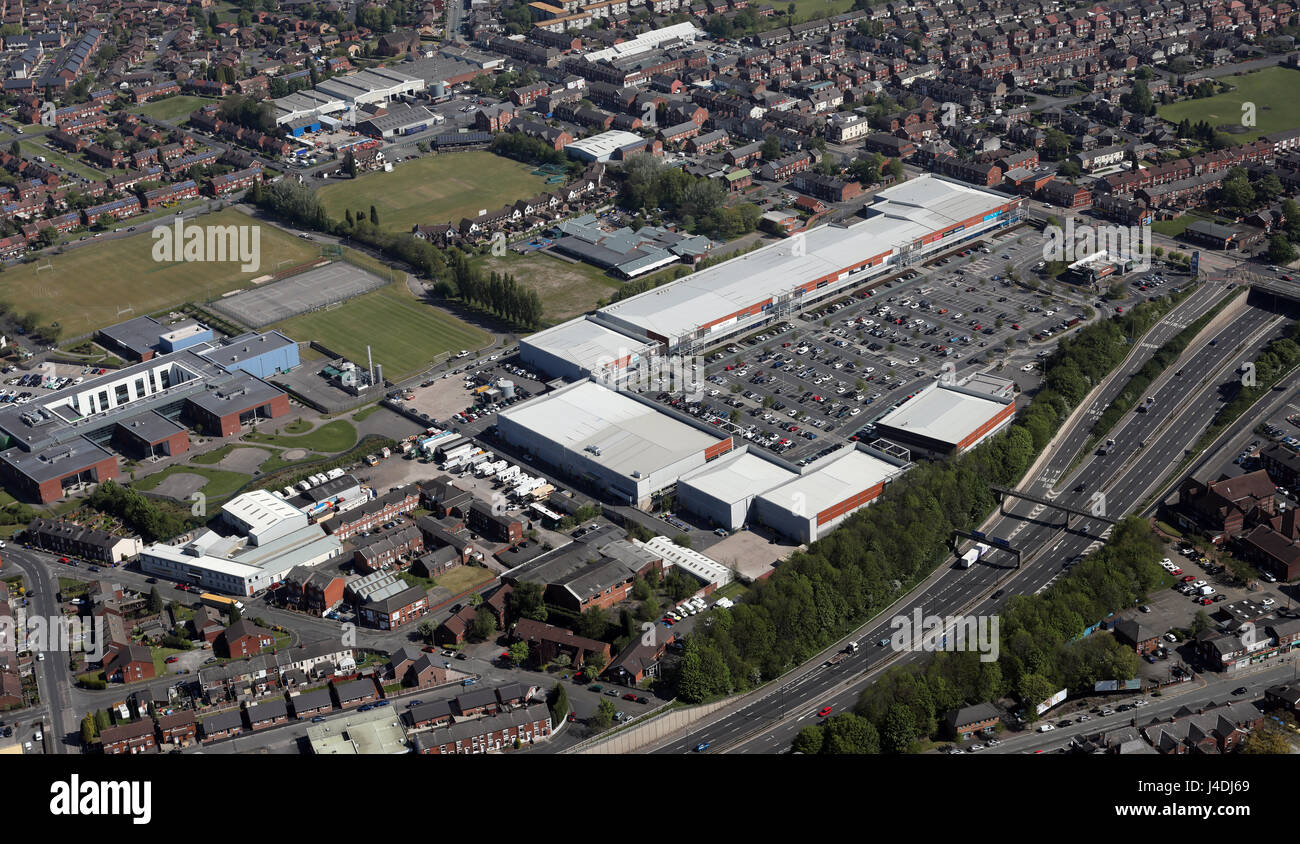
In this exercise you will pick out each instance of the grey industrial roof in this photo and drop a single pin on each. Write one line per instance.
(834, 479)
(151, 427)
(237, 395)
(738, 478)
(139, 335)
(624, 435)
(941, 413)
(57, 460)
(901, 215)
(247, 346)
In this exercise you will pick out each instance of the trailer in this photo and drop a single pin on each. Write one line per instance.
(487, 470)
(974, 555)
(508, 474)
(386, 452)
(332, 474)
(542, 492)
(454, 451)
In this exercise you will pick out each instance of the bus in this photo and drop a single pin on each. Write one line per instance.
(220, 602)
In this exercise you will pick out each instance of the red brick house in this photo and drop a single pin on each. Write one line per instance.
(244, 638)
(135, 737)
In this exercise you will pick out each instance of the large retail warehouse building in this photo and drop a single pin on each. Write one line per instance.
(905, 224)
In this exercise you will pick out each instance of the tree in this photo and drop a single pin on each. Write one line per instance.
(559, 704)
(155, 600)
(374, 216)
(235, 614)
(426, 631)
(526, 602)
(1201, 622)
(604, 716)
(1267, 739)
(88, 731)
(102, 721)
(808, 741)
(593, 622)
(771, 148)
(485, 624)
(350, 165)
(519, 653)
(899, 730)
(594, 664)
(1280, 250)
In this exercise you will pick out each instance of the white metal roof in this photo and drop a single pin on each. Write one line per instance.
(843, 476)
(585, 343)
(739, 478)
(902, 214)
(626, 435)
(260, 509)
(604, 145)
(942, 413)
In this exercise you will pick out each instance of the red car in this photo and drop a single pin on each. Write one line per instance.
(629, 696)
(1015, 326)
(1176, 572)
(824, 711)
(1119, 309)
(1205, 602)
(1189, 578)
(64, 560)
(573, 716)
(172, 659)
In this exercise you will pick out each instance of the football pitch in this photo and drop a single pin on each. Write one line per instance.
(1272, 92)
(404, 335)
(434, 189)
(100, 283)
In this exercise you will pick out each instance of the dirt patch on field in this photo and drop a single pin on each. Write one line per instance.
(244, 460)
(180, 485)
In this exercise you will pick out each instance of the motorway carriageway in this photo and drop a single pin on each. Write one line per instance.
(1126, 476)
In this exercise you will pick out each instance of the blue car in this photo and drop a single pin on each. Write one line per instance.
(387, 702)
(318, 719)
(701, 747)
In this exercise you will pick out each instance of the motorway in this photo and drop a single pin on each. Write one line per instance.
(768, 720)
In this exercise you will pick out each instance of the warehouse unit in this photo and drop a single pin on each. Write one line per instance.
(260, 354)
(581, 347)
(827, 493)
(906, 224)
(724, 491)
(945, 419)
(615, 442)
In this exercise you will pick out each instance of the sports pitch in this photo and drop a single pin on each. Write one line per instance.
(101, 283)
(434, 189)
(404, 335)
(298, 294)
(1273, 92)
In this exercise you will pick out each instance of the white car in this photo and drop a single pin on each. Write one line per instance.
(1045, 728)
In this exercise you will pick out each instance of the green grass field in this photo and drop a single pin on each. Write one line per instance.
(331, 437)
(53, 155)
(567, 289)
(172, 109)
(220, 486)
(89, 284)
(1271, 90)
(434, 189)
(404, 334)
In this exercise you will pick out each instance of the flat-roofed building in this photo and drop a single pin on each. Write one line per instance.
(946, 419)
(613, 441)
(724, 491)
(829, 491)
(581, 347)
(906, 223)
